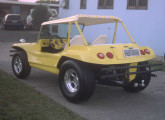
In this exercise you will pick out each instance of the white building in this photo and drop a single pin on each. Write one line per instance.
(143, 18)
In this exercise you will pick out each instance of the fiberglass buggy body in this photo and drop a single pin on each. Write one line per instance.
(79, 64)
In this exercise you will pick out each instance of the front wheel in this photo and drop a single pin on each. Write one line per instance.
(20, 65)
(76, 81)
(4, 28)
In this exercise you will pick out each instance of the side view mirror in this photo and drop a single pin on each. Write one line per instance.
(22, 40)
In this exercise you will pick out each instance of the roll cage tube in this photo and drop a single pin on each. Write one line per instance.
(114, 36)
(80, 31)
(127, 32)
(69, 31)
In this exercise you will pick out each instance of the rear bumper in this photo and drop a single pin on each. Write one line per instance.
(120, 76)
(14, 25)
(127, 73)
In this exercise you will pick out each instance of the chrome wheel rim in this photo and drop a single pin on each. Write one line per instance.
(17, 64)
(71, 81)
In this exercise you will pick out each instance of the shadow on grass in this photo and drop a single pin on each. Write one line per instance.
(21, 102)
(156, 62)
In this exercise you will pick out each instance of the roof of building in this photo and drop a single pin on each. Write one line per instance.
(27, 3)
(86, 19)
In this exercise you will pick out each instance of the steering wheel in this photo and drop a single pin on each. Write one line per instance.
(56, 44)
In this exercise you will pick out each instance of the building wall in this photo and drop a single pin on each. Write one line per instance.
(147, 27)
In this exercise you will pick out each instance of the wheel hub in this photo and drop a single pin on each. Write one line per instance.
(71, 81)
(17, 65)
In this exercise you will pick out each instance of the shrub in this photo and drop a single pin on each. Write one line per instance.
(40, 15)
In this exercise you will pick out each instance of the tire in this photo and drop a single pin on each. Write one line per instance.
(140, 82)
(76, 81)
(4, 28)
(20, 28)
(20, 65)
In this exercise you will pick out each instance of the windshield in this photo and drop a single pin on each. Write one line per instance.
(105, 33)
(58, 29)
(14, 17)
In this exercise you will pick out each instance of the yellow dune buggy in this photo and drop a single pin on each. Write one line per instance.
(82, 59)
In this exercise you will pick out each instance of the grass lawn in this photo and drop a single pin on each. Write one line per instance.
(21, 102)
(156, 62)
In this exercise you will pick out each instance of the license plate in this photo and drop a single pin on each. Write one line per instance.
(131, 52)
(14, 21)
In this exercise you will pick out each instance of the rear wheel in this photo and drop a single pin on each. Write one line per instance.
(20, 65)
(76, 81)
(20, 28)
(140, 82)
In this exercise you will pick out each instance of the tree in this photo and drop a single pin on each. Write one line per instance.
(40, 15)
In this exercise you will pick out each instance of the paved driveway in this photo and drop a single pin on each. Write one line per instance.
(107, 103)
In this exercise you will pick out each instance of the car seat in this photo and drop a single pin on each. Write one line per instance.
(101, 39)
(77, 40)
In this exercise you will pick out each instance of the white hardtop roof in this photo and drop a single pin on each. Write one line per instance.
(85, 20)
(11, 15)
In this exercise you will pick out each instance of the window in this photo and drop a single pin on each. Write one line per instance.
(66, 4)
(14, 17)
(137, 4)
(58, 29)
(45, 32)
(105, 4)
(83, 4)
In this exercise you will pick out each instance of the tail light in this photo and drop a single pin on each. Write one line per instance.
(7, 21)
(109, 55)
(20, 21)
(100, 55)
(142, 52)
(147, 51)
